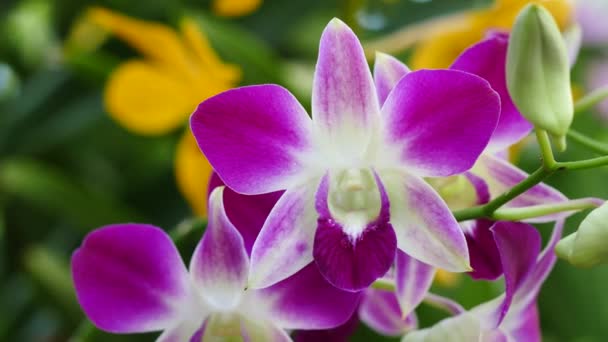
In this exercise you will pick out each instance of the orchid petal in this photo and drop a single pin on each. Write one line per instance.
(219, 265)
(440, 120)
(285, 243)
(487, 59)
(413, 279)
(253, 331)
(525, 326)
(344, 101)
(130, 278)
(340, 333)
(379, 310)
(254, 137)
(184, 331)
(485, 258)
(388, 70)
(307, 301)
(425, 226)
(462, 328)
(518, 245)
(501, 176)
(349, 262)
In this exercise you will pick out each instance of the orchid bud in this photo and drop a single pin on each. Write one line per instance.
(589, 245)
(538, 71)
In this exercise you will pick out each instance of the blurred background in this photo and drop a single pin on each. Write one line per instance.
(94, 102)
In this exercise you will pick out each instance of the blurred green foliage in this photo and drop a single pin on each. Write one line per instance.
(66, 168)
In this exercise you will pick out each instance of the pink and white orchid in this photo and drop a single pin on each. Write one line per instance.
(130, 278)
(353, 175)
(513, 316)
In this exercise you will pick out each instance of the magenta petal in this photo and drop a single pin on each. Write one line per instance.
(340, 333)
(518, 245)
(130, 278)
(425, 226)
(413, 279)
(487, 59)
(285, 243)
(254, 137)
(219, 265)
(485, 259)
(344, 101)
(380, 311)
(501, 176)
(353, 263)
(440, 120)
(388, 70)
(524, 327)
(307, 301)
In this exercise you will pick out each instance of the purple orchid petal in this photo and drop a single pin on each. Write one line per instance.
(349, 262)
(524, 327)
(219, 265)
(425, 226)
(518, 245)
(591, 16)
(388, 70)
(529, 289)
(130, 278)
(481, 188)
(485, 258)
(285, 243)
(344, 101)
(254, 137)
(413, 279)
(341, 333)
(440, 120)
(501, 176)
(307, 301)
(380, 311)
(487, 59)
(246, 212)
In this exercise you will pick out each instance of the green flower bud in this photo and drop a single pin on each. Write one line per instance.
(538, 71)
(589, 245)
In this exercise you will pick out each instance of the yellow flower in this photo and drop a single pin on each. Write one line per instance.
(234, 8)
(156, 94)
(441, 49)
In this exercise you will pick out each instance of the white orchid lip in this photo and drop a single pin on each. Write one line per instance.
(354, 200)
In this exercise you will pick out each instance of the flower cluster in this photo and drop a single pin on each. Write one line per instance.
(349, 209)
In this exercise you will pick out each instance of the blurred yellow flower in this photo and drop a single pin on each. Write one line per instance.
(442, 48)
(155, 95)
(234, 8)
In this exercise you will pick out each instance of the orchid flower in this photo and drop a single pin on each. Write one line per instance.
(130, 278)
(354, 192)
(513, 316)
(154, 95)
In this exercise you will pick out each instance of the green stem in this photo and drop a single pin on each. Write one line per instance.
(488, 209)
(517, 214)
(588, 142)
(591, 99)
(545, 149)
(584, 164)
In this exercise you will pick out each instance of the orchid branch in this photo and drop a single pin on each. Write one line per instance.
(587, 142)
(591, 99)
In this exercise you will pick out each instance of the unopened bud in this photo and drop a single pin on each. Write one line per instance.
(589, 245)
(538, 71)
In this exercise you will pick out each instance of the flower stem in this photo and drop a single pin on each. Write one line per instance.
(591, 99)
(590, 143)
(584, 164)
(517, 214)
(545, 149)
